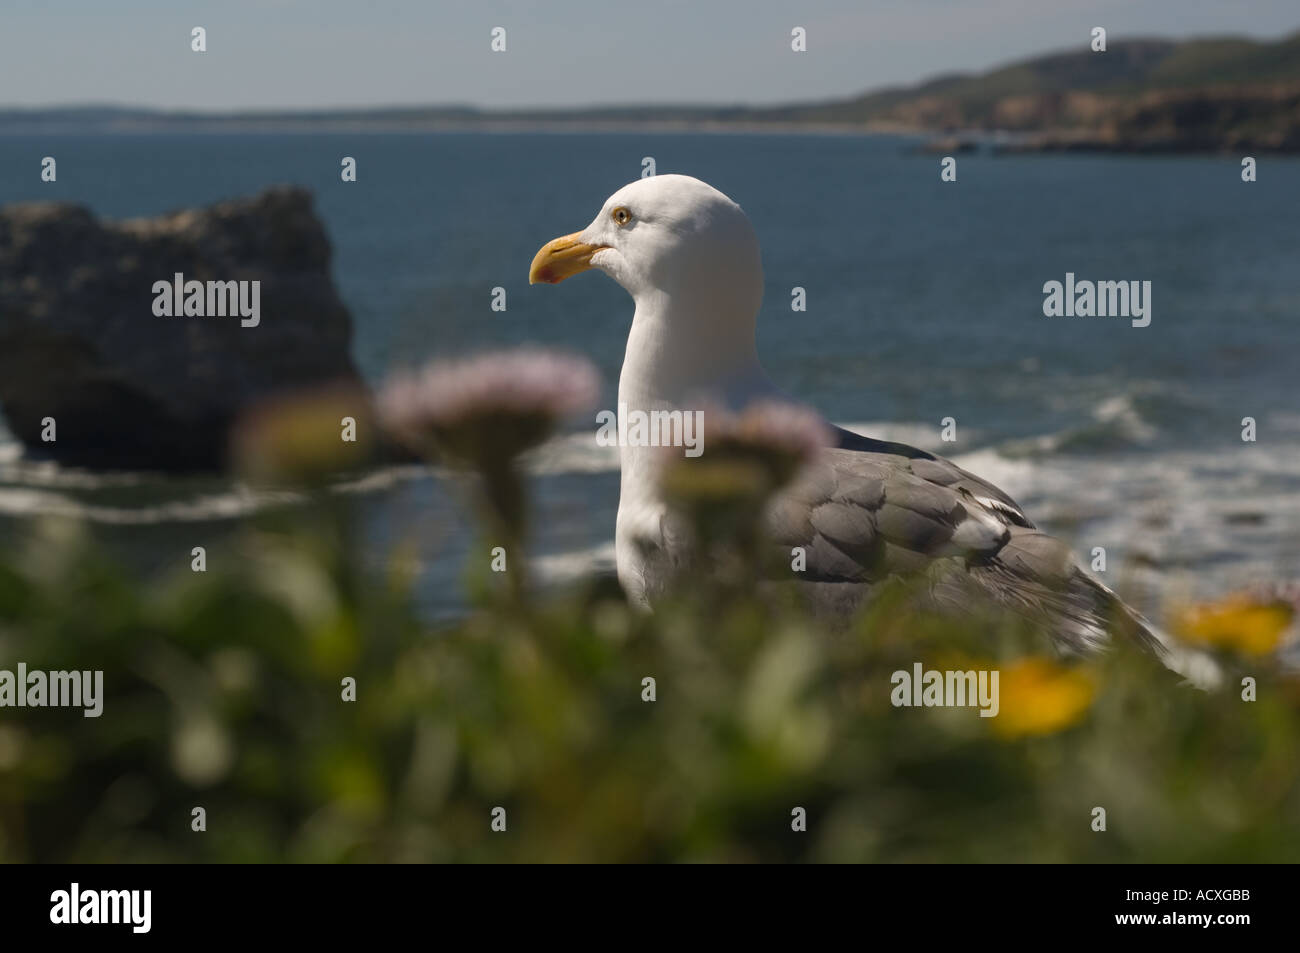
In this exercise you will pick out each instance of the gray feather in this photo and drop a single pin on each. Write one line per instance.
(871, 510)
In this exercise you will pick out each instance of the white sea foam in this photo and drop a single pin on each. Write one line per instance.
(575, 452)
(563, 567)
(230, 504)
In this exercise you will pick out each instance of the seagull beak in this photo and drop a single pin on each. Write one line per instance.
(558, 259)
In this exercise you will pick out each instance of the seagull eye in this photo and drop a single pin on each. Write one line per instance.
(621, 216)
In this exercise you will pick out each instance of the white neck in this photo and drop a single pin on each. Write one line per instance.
(703, 352)
(703, 356)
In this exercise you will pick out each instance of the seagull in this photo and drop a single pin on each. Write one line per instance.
(865, 510)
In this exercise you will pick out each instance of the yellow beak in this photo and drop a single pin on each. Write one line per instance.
(558, 259)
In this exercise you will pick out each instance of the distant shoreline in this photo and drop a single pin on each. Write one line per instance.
(1210, 95)
(314, 126)
(920, 140)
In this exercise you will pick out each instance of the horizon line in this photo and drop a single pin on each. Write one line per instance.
(246, 111)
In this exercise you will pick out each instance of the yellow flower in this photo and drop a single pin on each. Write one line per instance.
(1240, 622)
(1038, 696)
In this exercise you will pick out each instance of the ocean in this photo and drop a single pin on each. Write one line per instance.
(924, 302)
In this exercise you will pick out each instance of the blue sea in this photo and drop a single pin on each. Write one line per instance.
(924, 301)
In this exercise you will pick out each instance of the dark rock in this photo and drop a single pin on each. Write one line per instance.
(79, 340)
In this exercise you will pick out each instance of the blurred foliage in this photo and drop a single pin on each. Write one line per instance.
(223, 690)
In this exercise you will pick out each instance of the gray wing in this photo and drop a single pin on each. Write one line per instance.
(870, 510)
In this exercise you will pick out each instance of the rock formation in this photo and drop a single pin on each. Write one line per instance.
(81, 341)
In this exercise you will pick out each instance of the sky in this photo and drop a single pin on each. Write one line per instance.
(266, 54)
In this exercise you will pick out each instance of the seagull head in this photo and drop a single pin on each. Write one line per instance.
(665, 238)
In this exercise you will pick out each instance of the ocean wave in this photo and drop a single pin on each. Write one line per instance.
(572, 453)
(1165, 507)
(232, 504)
(18, 469)
(43, 488)
(564, 567)
(1117, 424)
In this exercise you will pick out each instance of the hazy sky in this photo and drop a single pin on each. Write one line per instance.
(320, 53)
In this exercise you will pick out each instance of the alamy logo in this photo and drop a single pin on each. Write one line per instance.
(134, 907)
(1102, 299)
(950, 689)
(36, 689)
(214, 299)
(652, 428)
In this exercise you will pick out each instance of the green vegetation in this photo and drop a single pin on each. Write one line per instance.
(223, 690)
(293, 693)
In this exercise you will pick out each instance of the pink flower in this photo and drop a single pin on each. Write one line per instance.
(788, 430)
(489, 407)
(748, 455)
